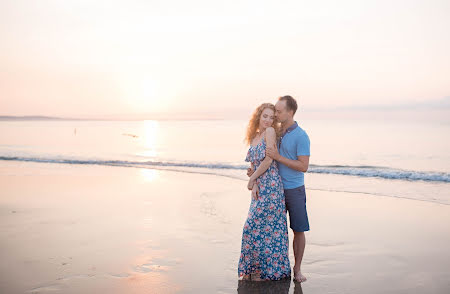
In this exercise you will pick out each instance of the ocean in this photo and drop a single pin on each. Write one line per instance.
(382, 159)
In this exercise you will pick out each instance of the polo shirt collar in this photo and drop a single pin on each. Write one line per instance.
(291, 128)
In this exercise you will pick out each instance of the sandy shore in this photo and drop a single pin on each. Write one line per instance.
(91, 229)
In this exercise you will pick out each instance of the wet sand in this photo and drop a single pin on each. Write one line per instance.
(91, 229)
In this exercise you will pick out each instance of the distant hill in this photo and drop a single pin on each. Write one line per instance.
(33, 117)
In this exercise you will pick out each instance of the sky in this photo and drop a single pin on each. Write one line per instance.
(137, 59)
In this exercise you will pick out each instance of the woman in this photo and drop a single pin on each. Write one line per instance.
(265, 243)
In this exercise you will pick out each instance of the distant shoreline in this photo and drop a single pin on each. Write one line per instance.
(440, 116)
(34, 117)
(47, 118)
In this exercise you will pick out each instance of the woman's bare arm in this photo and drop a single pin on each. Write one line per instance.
(265, 164)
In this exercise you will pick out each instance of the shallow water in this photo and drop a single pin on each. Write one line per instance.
(396, 159)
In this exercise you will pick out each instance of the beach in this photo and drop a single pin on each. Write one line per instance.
(126, 128)
(91, 229)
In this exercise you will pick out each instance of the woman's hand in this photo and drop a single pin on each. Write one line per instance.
(255, 192)
(250, 171)
(250, 184)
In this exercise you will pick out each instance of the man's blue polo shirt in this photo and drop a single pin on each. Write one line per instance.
(293, 143)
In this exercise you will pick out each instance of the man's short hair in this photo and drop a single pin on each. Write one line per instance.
(291, 104)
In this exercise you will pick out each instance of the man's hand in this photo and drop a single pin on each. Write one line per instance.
(255, 192)
(272, 152)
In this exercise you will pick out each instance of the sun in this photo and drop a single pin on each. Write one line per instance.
(141, 94)
(148, 89)
(148, 94)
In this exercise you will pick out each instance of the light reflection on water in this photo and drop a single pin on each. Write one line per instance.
(275, 287)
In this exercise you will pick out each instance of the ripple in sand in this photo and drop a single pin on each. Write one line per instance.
(82, 276)
(155, 264)
(56, 286)
(149, 267)
(119, 275)
(319, 261)
(327, 244)
(43, 289)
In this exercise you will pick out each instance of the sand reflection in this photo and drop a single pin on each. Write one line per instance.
(267, 287)
(149, 175)
(150, 274)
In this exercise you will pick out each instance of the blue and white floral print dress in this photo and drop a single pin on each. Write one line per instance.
(265, 241)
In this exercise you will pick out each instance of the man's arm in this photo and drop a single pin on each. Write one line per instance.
(301, 164)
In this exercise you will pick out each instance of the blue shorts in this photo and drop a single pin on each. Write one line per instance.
(296, 205)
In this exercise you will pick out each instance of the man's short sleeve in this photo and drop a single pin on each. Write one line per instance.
(303, 145)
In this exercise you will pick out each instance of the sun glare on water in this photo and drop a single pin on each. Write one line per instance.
(149, 135)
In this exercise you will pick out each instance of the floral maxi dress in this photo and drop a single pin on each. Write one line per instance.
(265, 241)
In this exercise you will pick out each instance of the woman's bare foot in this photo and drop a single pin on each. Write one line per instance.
(246, 277)
(298, 277)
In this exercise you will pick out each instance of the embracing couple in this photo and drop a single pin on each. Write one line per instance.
(279, 155)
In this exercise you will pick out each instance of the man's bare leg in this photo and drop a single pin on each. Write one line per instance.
(298, 245)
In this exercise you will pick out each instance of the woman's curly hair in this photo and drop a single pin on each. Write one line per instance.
(253, 124)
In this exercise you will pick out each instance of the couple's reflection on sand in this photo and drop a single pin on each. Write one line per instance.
(268, 287)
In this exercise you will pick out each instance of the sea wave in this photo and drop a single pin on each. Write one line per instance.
(359, 171)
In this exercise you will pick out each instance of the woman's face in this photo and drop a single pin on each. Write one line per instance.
(266, 120)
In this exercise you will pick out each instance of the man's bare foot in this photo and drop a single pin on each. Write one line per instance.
(298, 277)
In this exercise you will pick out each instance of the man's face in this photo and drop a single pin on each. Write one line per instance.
(280, 111)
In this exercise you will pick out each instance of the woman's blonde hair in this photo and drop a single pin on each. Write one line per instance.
(253, 124)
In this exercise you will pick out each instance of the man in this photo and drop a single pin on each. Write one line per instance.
(292, 156)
